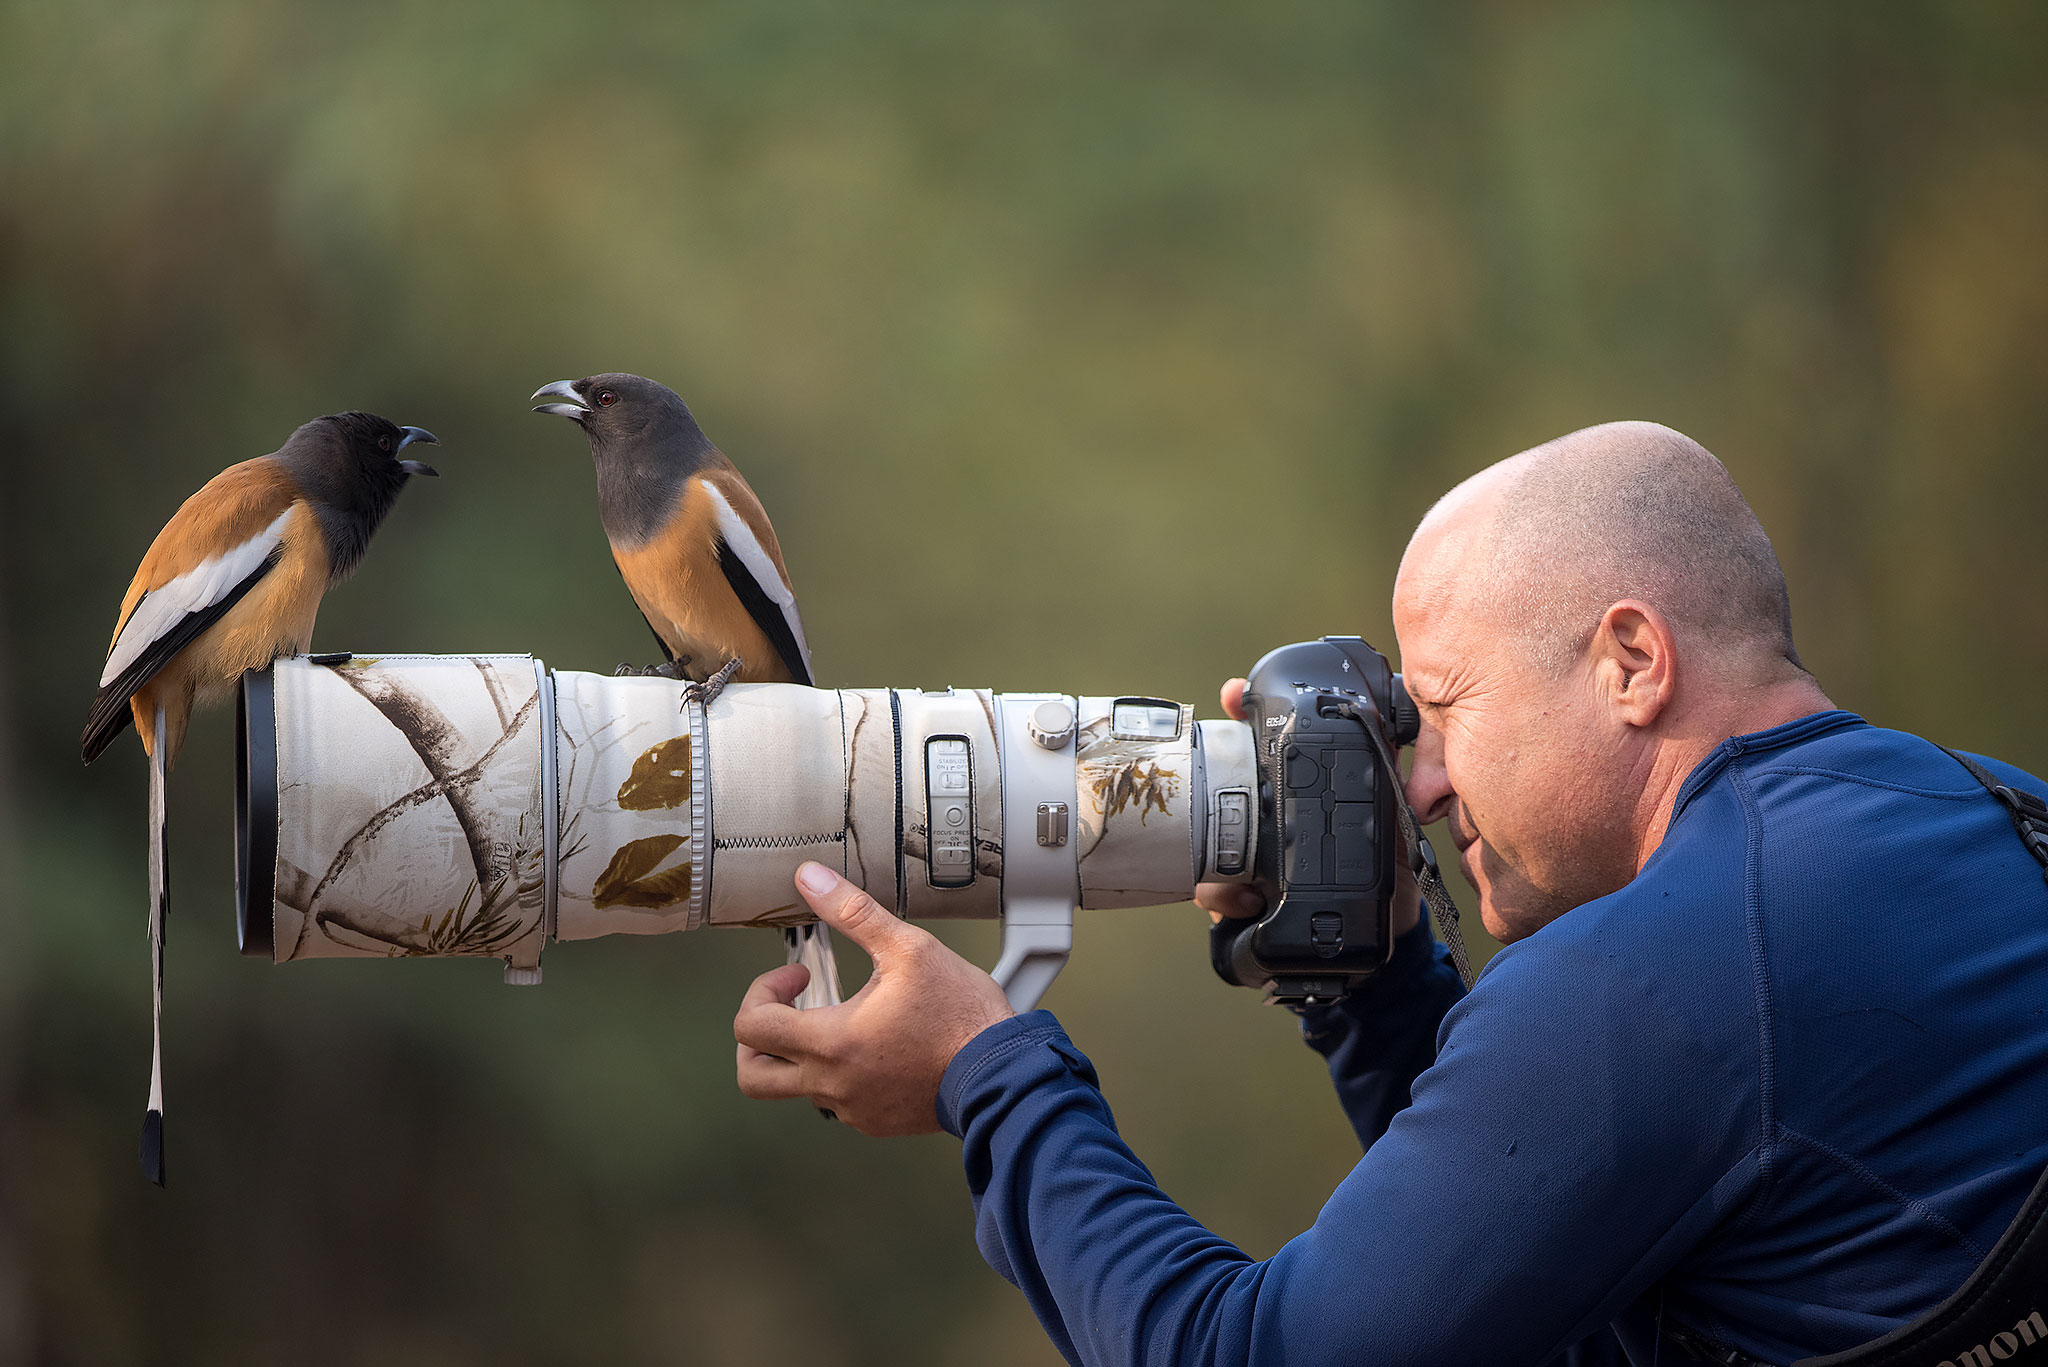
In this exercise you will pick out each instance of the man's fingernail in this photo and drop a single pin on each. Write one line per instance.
(817, 878)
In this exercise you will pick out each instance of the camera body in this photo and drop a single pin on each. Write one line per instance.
(1327, 820)
(426, 806)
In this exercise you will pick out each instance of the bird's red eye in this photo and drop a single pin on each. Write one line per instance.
(383, 443)
(605, 398)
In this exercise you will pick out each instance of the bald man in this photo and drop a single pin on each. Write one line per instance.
(1762, 1072)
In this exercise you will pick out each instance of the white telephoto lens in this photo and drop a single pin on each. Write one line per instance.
(409, 806)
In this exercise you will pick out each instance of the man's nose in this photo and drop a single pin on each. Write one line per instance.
(1429, 782)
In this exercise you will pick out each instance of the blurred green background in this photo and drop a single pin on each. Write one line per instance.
(1070, 346)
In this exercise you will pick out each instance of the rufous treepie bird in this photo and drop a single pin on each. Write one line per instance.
(232, 582)
(699, 557)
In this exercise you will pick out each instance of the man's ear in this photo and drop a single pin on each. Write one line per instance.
(1635, 661)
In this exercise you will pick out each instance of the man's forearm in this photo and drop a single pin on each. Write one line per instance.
(1492, 1222)
(1061, 1203)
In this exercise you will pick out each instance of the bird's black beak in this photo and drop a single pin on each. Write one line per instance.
(572, 405)
(417, 467)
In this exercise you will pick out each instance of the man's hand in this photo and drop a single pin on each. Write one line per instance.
(875, 1060)
(1242, 901)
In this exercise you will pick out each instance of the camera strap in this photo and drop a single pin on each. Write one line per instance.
(2029, 813)
(2001, 1312)
(1422, 858)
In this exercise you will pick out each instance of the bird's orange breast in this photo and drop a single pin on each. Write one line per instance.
(676, 580)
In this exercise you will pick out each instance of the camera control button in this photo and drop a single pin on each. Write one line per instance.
(1051, 724)
(1233, 826)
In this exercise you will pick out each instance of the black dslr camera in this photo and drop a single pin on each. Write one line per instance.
(1326, 717)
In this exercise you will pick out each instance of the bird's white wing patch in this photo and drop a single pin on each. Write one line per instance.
(193, 591)
(760, 564)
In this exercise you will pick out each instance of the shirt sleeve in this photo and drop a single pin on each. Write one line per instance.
(1383, 1033)
(1572, 1140)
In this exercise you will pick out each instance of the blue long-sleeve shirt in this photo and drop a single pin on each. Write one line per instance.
(1786, 1088)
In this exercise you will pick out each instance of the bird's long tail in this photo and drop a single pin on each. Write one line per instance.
(811, 946)
(159, 908)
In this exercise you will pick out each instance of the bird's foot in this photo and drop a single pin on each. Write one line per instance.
(709, 690)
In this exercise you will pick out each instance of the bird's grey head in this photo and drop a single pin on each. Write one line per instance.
(644, 440)
(347, 465)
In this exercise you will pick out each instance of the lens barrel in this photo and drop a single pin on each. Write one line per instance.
(408, 806)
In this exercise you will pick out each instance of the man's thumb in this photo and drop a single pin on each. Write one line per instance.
(1232, 698)
(846, 908)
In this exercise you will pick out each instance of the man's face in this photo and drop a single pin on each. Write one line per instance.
(1520, 761)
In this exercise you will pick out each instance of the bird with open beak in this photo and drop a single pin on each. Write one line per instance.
(698, 555)
(231, 583)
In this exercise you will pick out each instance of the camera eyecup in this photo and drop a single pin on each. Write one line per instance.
(1406, 718)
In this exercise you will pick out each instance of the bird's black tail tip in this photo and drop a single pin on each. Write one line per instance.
(153, 1145)
(94, 741)
(109, 717)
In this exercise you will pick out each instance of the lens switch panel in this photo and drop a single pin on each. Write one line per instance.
(1233, 823)
(949, 785)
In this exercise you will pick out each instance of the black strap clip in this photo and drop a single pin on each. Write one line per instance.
(2029, 813)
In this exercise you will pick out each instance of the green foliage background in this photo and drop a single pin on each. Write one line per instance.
(1078, 346)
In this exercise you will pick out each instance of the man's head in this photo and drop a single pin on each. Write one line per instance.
(1579, 625)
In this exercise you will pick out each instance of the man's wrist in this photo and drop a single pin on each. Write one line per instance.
(987, 1052)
